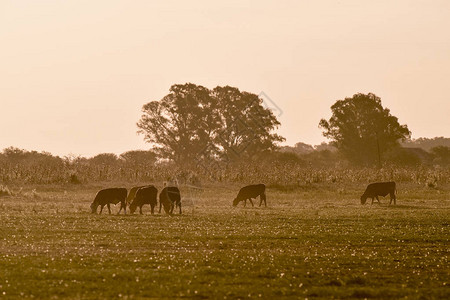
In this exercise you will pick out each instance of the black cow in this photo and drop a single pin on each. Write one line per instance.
(132, 194)
(249, 192)
(144, 195)
(374, 190)
(169, 198)
(110, 196)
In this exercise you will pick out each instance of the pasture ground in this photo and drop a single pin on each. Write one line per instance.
(311, 242)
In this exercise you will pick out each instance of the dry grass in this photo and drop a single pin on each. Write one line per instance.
(311, 242)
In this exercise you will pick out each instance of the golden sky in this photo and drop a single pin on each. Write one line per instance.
(74, 74)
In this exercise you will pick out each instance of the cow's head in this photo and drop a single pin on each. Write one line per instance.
(236, 201)
(133, 207)
(94, 207)
(167, 205)
(363, 199)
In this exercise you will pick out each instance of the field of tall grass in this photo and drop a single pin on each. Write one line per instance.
(314, 240)
(58, 171)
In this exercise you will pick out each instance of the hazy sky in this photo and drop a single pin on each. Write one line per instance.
(75, 74)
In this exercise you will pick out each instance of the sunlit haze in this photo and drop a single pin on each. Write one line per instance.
(75, 74)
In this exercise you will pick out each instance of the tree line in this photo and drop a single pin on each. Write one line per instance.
(193, 124)
(278, 169)
(214, 132)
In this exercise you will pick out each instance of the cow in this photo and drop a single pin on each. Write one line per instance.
(110, 196)
(144, 195)
(374, 190)
(132, 194)
(169, 198)
(249, 192)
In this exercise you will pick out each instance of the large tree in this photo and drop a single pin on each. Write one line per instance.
(193, 122)
(245, 124)
(361, 129)
(181, 124)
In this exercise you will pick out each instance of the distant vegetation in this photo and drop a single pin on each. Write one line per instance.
(409, 154)
(226, 135)
(362, 129)
(285, 167)
(426, 143)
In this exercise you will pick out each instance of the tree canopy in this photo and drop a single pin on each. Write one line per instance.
(193, 121)
(138, 157)
(245, 125)
(361, 129)
(441, 154)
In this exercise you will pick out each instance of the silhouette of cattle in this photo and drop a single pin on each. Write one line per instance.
(169, 198)
(110, 196)
(144, 195)
(374, 190)
(249, 192)
(132, 194)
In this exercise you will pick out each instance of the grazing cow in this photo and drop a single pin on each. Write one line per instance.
(249, 192)
(374, 190)
(110, 196)
(169, 198)
(144, 195)
(132, 194)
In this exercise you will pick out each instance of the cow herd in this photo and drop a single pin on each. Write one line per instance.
(138, 197)
(170, 197)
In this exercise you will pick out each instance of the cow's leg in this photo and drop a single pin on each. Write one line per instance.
(140, 210)
(109, 208)
(245, 202)
(160, 205)
(392, 195)
(121, 206)
(179, 204)
(372, 200)
(172, 206)
(152, 208)
(101, 209)
(262, 198)
(378, 200)
(250, 199)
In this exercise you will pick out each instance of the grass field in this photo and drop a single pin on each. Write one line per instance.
(311, 242)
